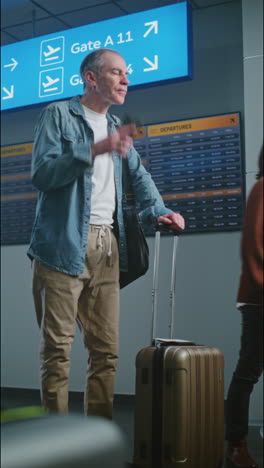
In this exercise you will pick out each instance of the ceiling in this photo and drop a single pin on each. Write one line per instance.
(25, 19)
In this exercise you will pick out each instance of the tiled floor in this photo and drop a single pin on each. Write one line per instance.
(123, 416)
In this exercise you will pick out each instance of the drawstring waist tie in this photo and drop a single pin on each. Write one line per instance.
(104, 230)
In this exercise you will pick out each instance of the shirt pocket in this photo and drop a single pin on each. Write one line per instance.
(72, 137)
(72, 143)
(72, 131)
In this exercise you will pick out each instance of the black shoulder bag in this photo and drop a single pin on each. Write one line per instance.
(137, 247)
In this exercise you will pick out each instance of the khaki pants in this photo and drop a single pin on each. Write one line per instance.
(92, 299)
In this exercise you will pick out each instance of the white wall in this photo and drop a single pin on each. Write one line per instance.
(208, 265)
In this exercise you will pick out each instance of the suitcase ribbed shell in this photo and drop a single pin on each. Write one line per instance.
(190, 427)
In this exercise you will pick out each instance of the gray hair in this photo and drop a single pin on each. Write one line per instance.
(94, 62)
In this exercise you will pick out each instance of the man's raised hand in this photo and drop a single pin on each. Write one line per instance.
(120, 141)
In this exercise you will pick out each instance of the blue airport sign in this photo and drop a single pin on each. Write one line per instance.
(156, 44)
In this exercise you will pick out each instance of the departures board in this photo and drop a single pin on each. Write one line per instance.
(18, 196)
(196, 165)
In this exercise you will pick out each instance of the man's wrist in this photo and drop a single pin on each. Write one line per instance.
(93, 151)
(98, 148)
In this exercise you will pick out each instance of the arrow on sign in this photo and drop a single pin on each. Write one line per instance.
(10, 94)
(13, 64)
(153, 65)
(153, 25)
(130, 69)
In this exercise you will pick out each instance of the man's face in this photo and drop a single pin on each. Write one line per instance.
(111, 84)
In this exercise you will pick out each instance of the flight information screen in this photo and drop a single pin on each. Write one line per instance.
(18, 196)
(196, 165)
(46, 68)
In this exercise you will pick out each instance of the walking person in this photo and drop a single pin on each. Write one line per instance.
(250, 303)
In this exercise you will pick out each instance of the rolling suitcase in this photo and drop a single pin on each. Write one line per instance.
(179, 408)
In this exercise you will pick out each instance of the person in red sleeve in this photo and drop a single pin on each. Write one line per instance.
(250, 303)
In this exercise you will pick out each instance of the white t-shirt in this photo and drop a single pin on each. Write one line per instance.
(103, 184)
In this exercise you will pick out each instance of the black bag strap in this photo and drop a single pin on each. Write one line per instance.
(127, 186)
(128, 190)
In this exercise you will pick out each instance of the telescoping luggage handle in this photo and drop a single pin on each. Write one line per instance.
(161, 227)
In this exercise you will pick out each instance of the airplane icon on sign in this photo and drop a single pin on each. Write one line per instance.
(51, 50)
(50, 82)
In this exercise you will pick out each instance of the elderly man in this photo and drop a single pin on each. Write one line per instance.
(77, 168)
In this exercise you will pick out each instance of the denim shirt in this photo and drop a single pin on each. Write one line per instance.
(62, 168)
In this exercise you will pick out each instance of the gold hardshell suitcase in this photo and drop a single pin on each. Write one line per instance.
(179, 409)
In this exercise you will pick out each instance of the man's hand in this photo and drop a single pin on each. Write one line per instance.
(175, 220)
(120, 141)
